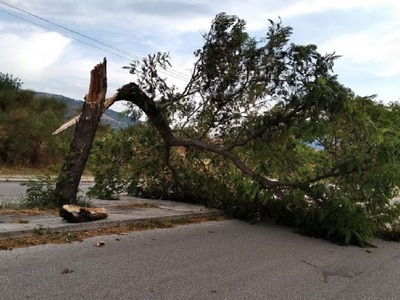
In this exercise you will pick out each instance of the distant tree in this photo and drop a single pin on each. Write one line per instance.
(26, 125)
(8, 82)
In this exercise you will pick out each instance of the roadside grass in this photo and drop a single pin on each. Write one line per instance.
(23, 211)
(43, 236)
(25, 171)
(34, 172)
(19, 221)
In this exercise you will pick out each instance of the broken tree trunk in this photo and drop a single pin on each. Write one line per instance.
(66, 189)
(76, 214)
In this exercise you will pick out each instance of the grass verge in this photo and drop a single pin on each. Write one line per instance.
(15, 211)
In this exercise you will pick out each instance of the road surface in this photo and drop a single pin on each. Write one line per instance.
(212, 260)
(13, 192)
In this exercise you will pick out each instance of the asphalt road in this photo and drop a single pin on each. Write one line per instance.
(13, 192)
(213, 260)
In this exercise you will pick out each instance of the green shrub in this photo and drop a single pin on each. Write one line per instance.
(40, 194)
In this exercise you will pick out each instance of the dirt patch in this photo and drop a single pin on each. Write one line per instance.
(43, 236)
(137, 205)
(19, 221)
(26, 172)
(27, 212)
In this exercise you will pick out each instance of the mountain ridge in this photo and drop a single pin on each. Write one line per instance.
(110, 117)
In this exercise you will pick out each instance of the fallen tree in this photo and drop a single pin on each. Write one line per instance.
(315, 155)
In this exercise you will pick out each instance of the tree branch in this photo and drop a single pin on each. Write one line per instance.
(132, 93)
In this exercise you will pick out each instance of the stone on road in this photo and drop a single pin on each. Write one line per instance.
(212, 260)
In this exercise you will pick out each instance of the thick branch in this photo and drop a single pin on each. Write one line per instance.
(107, 103)
(132, 93)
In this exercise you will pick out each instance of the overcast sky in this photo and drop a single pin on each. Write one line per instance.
(39, 38)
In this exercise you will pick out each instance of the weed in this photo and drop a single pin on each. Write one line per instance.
(40, 230)
(7, 206)
(5, 247)
(20, 221)
(40, 194)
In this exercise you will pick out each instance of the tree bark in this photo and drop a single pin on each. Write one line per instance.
(85, 130)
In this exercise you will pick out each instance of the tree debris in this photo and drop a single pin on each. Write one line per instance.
(100, 244)
(76, 214)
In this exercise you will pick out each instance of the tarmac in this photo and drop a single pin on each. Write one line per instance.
(127, 210)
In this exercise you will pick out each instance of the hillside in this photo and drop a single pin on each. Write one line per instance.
(110, 117)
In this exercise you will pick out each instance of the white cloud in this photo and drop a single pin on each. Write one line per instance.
(41, 50)
(378, 46)
(29, 55)
(297, 8)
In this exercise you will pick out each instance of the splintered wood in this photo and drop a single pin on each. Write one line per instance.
(76, 214)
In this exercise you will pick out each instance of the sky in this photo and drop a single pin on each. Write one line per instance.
(52, 45)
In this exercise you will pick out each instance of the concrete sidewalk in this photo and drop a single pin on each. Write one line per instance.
(126, 211)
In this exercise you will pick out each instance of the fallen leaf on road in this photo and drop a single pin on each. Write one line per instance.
(100, 243)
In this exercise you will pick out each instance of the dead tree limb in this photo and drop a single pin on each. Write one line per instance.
(107, 103)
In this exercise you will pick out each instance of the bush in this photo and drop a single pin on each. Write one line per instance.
(40, 194)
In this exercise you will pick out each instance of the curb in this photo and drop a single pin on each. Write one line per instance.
(100, 224)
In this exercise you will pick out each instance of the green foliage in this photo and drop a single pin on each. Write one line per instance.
(8, 82)
(354, 176)
(111, 162)
(40, 194)
(26, 126)
(131, 161)
(339, 219)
